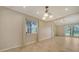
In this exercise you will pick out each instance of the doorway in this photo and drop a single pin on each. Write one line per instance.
(31, 31)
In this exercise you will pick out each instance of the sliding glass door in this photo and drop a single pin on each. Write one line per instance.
(67, 30)
(76, 30)
(71, 30)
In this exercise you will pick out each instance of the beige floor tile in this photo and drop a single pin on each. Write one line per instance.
(54, 45)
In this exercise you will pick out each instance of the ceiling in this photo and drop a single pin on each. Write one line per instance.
(72, 19)
(38, 11)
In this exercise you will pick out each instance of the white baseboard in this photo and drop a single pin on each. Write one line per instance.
(21, 45)
(17, 46)
(10, 48)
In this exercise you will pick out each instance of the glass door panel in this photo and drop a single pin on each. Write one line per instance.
(67, 30)
(31, 33)
(76, 30)
(71, 30)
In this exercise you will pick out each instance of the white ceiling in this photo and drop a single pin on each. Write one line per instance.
(72, 19)
(57, 11)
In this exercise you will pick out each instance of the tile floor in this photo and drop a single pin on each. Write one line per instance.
(58, 44)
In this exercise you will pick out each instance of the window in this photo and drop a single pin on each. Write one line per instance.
(67, 30)
(31, 26)
(71, 30)
(76, 30)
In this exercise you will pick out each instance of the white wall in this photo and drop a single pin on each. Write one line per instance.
(44, 30)
(10, 29)
(60, 31)
(53, 29)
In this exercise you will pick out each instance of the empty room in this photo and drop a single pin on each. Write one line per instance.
(39, 28)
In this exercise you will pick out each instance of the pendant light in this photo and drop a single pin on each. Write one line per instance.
(47, 15)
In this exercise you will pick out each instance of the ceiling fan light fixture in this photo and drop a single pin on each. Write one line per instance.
(46, 14)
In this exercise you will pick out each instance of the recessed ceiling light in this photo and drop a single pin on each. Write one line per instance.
(51, 16)
(43, 18)
(66, 9)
